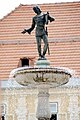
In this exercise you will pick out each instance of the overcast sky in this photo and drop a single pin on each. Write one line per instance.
(6, 6)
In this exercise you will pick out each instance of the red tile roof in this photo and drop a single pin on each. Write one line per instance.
(64, 37)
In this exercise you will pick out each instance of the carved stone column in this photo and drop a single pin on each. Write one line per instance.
(21, 110)
(73, 107)
(43, 110)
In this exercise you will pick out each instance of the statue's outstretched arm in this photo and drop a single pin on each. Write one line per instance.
(30, 29)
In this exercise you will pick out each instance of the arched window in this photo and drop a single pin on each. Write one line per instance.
(3, 111)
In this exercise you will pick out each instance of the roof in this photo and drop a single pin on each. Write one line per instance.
(64, 37)
(65, 26)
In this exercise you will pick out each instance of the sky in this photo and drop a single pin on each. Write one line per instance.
(6, 6)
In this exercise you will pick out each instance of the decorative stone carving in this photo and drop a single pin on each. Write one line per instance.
(43, 110)
(73, 107)
(21, 110)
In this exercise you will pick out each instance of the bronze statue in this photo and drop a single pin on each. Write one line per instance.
(40, 20)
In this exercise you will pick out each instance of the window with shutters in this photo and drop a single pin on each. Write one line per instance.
(54, 110)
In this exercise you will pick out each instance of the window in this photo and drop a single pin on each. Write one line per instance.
(23, 62)
(3, 111)
(26, 62)
(54, 111)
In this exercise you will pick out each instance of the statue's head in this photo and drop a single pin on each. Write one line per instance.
(37, 10)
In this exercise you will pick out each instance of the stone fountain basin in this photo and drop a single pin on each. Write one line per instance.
(40, 76)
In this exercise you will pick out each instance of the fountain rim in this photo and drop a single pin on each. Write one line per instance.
(39, 70)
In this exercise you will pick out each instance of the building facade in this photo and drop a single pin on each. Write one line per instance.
(20, 103)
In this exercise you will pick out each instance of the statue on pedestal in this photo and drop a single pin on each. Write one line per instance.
(40, 20)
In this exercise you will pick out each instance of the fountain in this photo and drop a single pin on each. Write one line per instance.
(42, 75)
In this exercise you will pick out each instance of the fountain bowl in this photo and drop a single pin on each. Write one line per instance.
(40, 76)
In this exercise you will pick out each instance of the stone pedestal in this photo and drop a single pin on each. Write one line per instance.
(43, 109)
(42, 63)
